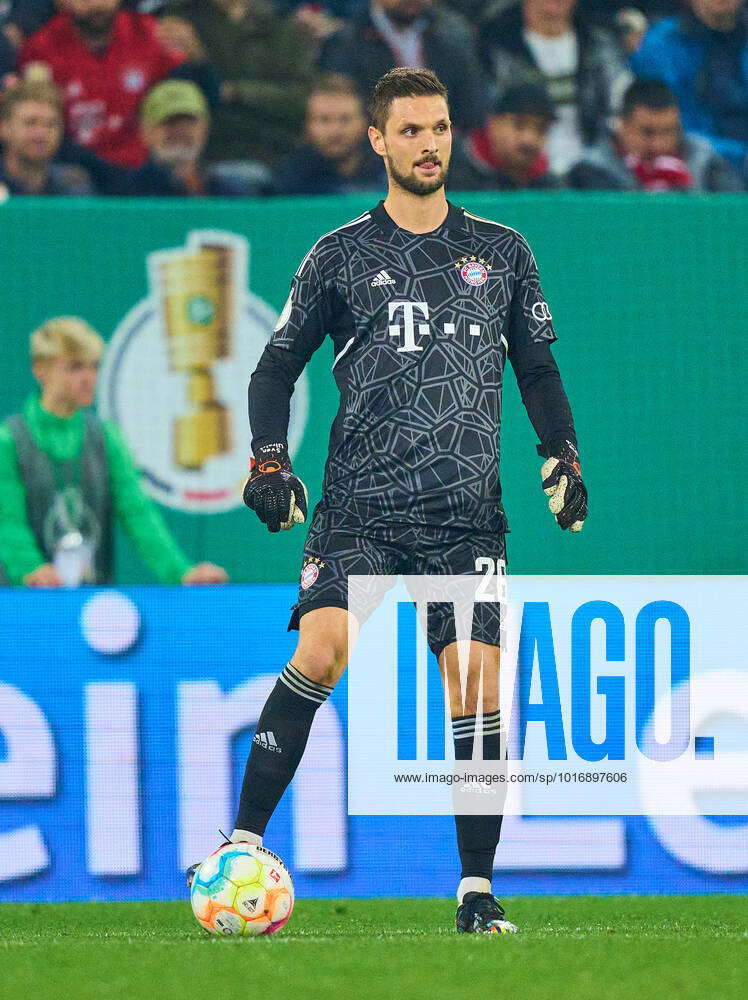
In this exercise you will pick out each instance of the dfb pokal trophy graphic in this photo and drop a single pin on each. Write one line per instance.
(174, 377)
(197, 289)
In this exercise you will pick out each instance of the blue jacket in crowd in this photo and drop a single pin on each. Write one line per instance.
(708, 73)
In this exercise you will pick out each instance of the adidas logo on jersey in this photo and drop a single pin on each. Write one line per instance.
(382, 279)
(267, 742)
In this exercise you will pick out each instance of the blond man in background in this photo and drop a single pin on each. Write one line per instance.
(31, 131)
(65, 476)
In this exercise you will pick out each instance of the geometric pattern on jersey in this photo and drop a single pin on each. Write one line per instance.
(419, 361)
(338, 544)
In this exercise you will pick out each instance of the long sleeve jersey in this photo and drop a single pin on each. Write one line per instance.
(422, 325)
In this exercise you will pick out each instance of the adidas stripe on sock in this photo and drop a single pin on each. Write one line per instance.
(278, 745)
(301, 685)
(477, 836)
(464, 726)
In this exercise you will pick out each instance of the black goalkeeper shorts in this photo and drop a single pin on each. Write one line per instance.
(339, 545)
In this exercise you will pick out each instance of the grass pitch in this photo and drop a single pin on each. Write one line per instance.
(572, 947)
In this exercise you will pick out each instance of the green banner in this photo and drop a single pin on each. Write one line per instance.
(649, 301)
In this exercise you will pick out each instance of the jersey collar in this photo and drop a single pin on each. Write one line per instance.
(455, 219)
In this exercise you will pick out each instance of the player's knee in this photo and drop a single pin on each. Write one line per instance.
(322, 660)
(323, 665)
(322, 652)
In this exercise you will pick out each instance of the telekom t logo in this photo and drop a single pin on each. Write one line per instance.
(407, 331)
(409, 328)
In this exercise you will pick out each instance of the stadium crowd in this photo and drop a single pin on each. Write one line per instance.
(253, 97)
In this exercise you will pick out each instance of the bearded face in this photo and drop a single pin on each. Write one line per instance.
(416, 143)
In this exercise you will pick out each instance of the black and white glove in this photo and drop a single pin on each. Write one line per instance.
(562, 484)
(273, 492)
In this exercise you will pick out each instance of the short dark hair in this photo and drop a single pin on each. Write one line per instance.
(652, 94)
(401, 82)
(526, 99)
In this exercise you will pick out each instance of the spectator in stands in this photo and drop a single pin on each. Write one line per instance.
(507, 154)
(412, 33)
(702, 55)
(266, 62)
(175, 125)
(65, 475)
(546, 41)
(104, 60)
(336, 156)
(31, 128)
(650, 152)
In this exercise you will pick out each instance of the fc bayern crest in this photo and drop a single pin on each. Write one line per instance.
(309, 575)
(474, 272)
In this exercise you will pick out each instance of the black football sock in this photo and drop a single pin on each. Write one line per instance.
(477, 836)
(278, 746)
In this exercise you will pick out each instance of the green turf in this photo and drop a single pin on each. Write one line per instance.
(569, 949)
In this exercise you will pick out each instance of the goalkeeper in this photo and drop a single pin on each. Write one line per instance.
(424, 303)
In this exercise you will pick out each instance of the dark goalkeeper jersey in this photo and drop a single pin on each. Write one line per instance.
(421, 326)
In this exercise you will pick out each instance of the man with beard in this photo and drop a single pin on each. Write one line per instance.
(104, 60)
(423, 302)
(175, 125)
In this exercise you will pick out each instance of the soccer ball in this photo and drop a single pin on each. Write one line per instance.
(242, 889)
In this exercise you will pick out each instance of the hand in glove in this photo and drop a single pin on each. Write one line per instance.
(562, 484)
(273, 492)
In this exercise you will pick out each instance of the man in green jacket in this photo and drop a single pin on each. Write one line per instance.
(265, 60)
(65, 475)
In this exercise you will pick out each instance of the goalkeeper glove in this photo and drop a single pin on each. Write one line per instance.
(273, 492)
(562, 484)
